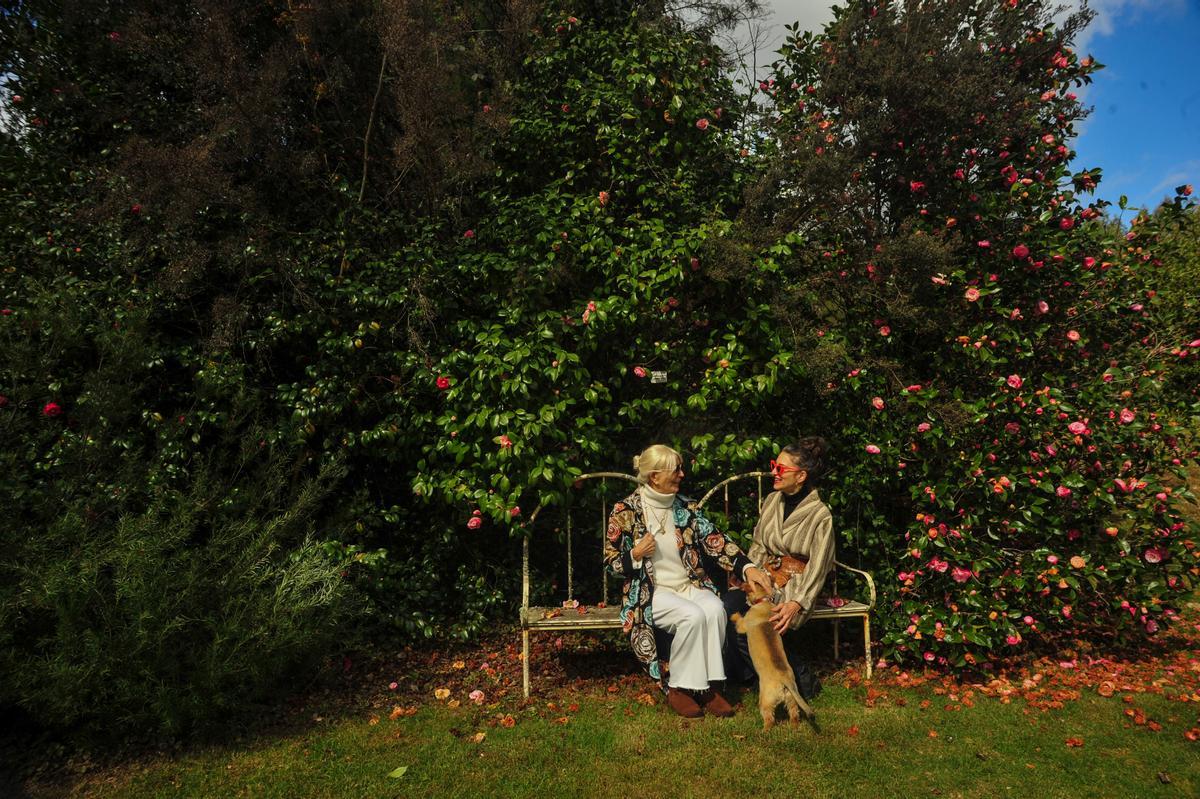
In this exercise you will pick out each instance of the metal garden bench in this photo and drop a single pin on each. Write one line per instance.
(572, 616)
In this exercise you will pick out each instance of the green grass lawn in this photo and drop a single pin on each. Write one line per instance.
(614, 745)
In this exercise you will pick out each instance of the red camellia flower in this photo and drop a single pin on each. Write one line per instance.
(1066, 223)
(603, 198)
(443, 382)
(1020, 251)
(972, 294)
(877, 403)
(915, 186)
(1014, 381)
(505, 442)
(514, 511)
(639, 371)
(702, 124)
(1127, 416)
(51, 409)
(885, 331)
(1078, 428)
(1063, 491)
(469, 234)
(1154, 555)
(1186, 191)
(6, 312)
(960, 574)
(3, 401)
(474, 523)
(984, 244)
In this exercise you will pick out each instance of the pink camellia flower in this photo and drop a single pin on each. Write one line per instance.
(1066, 223)
(1029, 620)
(1151, 626)
(514, 511)
(872, 449)
(639, 371)
(1186, 191)
(1107, 377)
(1073, 335)
(114, 36)
(959, 174)
(983, 244)
(1013, 639)
(960, 574)
(923, 427)
(136, 208)
(885, 331)
(1195, 344)
(877, 403)
(1127, 416)
(505, 441)
(930, 657)
(476, 696)
(1089, 262)
(1154, 555)
(1077, 428)
(393, 686)
(603, 199)
(972, 294)
(474, 523)
(913, 389)
(1012, 428)
(1043, 306)
(702, 124)
(469, 234)
(915, 186)
(1063, 491)
(3, 401)
(1066, 611)
(1052, 559)
(442, 382)
(1015, 381)
(1020, 251)
(51, 409)
(5, 311)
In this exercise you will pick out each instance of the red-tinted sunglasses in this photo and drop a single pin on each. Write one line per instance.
(781, 468)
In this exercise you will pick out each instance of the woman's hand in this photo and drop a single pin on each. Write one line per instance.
(783, 615)
(644, 547)
(760, 578)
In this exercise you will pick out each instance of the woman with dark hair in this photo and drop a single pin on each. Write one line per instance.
(793, 542)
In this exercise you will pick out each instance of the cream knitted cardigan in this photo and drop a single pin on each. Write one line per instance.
(806, 533)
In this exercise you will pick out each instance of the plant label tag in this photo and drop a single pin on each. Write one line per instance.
(658, 377)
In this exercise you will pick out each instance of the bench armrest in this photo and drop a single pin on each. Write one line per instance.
(869, 578)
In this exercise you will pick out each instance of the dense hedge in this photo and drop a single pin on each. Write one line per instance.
(323, 304)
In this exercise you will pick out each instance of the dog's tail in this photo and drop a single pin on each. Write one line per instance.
(797, 706)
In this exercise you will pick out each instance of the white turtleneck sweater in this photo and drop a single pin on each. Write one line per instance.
(669, 571)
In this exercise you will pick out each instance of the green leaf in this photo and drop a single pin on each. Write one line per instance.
(399, 772)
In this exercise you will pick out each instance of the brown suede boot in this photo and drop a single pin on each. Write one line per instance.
(714, 703)
(681, 702)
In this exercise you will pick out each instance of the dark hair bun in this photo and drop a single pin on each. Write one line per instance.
(809, 453)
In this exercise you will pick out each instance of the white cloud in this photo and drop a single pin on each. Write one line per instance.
(1187, 172)
(1111, 14)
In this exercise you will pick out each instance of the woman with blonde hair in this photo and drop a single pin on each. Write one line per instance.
(664, 548)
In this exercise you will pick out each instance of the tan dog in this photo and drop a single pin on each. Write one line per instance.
(776, 681)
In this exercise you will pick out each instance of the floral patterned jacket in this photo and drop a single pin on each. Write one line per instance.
(702, 548)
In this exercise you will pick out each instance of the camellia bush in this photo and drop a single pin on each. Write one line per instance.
(981, 347)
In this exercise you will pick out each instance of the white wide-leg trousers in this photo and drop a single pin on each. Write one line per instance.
(697, 620)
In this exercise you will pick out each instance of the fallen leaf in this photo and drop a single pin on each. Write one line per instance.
(562, 719)
(1164, 778)
(399, 772)
(373, 721)
(933, 734)
(508, 721)
(453, 703)
(458, 664)
(738, 737)
(854, 730)
(1106, 688)
(441, 693)
(1074, 742)
(478, 737)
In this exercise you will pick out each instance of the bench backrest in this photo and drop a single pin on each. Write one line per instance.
(614, 486)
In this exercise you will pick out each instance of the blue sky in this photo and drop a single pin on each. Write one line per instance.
(1145, 130)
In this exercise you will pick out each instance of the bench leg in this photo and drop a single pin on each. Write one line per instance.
(867, 644)
(836, 648)
(525, 660)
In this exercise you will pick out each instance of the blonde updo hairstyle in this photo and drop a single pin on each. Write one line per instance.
(655, 458)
